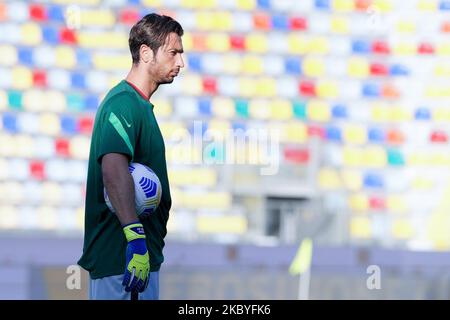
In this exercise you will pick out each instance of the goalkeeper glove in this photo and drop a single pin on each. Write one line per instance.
(137, 266)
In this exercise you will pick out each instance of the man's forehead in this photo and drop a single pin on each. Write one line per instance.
(173, 41)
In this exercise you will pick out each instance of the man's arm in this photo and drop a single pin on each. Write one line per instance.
(120, 186)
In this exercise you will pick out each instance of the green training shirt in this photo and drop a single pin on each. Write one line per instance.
(125, 123)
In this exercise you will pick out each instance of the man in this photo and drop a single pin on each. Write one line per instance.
(123, 253)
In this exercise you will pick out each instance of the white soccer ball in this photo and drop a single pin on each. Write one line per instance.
(147, 189)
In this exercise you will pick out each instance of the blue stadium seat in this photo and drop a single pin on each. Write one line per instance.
(422, 113)
(333, 133)
(280, 22)
(91, 102)
(371, 90)
(10, 122)
(376, 135)
(372, 180)
(444, 5)
(360, 46)
(293, 65)
(339, 111)
(83, 58)
(204, 106)
(264, 4)
(398, 70)
(78, 80)
(50, 34)
(25, 56)
(56, 13)
(195, 63)
(322, 4)
(68, 125)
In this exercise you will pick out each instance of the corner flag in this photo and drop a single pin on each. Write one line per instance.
(302, 260)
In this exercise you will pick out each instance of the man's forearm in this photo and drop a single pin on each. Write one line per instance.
(119, 186)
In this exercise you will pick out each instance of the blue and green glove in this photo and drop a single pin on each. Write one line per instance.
(137, 266)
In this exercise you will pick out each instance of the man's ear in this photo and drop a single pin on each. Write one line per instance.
(145, 53)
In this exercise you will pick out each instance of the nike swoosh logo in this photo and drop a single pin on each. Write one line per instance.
(126, 122)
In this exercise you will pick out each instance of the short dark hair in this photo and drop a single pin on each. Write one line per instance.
(152, 30)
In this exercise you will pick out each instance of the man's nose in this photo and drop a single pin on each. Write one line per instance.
(180, 62)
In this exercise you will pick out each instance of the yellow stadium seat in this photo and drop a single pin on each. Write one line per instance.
(196, 177)
(103, 61)
(23, 146)
(31, 34)
(355, 134)
(296, 132)
(223, 107)
(340, 25)
(79, 147)
(52, 193)
(232, 64)
(256, 42)
(265, 87)
(209, 200)
(343, 5)
(97, 39)
(405, 26)
(313, 67)
(403, 48)
(49, 124)
(192, 84)
(281, 109)
(65, 57)
(318, 45)
(163, 108)
(156, 3)
(207, 4)
(187, 41)
(443, 48)
(259, 109)
(427, 5)
(402, 229)
(358, 67)
(396, 204)
(22, 78)
(218, 42)
(9, 217)
(383, 6)
(329, 179)
(84, 2)
(79, 218)
(318, 110)
(360, 227)
(97, 18)
(14, 193)
(351, 179)
(173, 130)
(222, 21)
(47, 218)
(422, 183)
(353, 156)
(8, 54)
(400, 114)
(327, 89)
(380, 113)
(3, 102)
(358, 202)
(246, 4)
(247, 87)
(232, 224)
(252, 64)
(375, 157)
(297, 44)
(219, 129)
(204, 20)
(6, 145)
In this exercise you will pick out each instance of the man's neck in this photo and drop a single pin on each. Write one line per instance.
(142, 81)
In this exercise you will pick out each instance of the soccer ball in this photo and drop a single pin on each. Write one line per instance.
(147, 189)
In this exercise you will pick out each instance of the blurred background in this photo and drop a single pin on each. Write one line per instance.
(356, 90)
